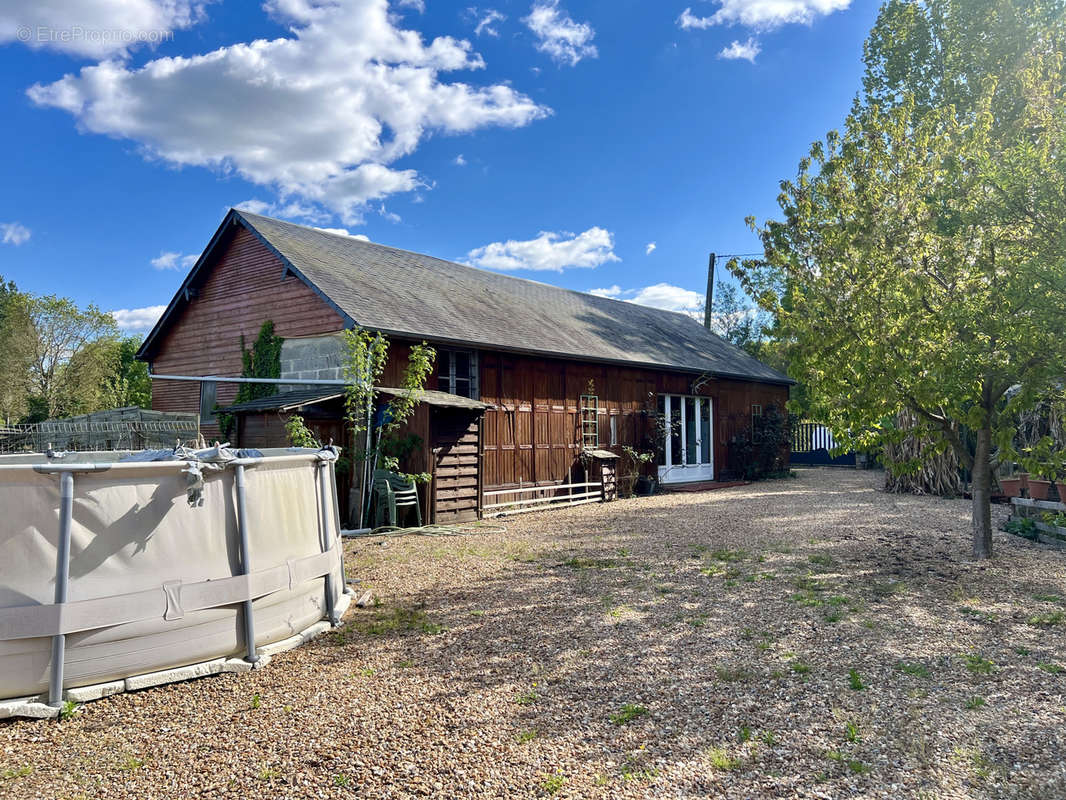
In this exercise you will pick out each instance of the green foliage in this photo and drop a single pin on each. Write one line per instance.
(299, 434)
(628, 713)
(919, 262)
(366, 357)
(263, 360)
(1023, 526)
(855, 680)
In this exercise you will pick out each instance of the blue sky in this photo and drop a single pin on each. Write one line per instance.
(554, 140)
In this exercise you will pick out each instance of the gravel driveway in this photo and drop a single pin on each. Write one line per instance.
(808, 637)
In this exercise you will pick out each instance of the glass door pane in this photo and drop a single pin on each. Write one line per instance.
(675, 431)
(690, 430)
(705, 431)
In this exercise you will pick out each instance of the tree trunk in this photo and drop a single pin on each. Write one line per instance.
(981, 490)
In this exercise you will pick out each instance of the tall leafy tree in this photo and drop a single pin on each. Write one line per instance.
(69, 356)
(920, 264)
(15, 341)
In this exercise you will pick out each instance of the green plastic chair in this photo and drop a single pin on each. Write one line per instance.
(392, 494)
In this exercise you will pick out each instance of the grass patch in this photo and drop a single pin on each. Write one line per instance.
(527, 736)
(627, 714)
(17, 772)
(1054, 669)
(822, 560)
(979, 665)
(885, 589)
(595, 563)
(732, 675)
(131, 763)
(1047, 620)
(975, 702)
(721, 760)
(383, 621)
(526, 698)
(917, 670)
(730, 556)
(799, 667)
(269, 774)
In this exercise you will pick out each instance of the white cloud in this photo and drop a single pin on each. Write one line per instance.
(669, 297)
(137, 320)
(566, 41)
(344, 232)
(173, 260)
(14, 233)
(660, 295)
(745, 50)
(96, 28)
(318, 115)
(486, 21)
(459, 161)
(417, 5)
(762, 15)
(649, 248)
(549, 251)
(689, 21)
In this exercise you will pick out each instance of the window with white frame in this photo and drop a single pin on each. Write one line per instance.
(457, 373)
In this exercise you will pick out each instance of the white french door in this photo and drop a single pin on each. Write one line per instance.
(688, 452)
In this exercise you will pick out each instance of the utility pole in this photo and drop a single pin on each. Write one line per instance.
(710, 293)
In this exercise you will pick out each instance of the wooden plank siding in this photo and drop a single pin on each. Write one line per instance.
(244, 289)
(532, 434)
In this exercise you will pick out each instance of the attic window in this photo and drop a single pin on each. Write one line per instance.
(457, 373)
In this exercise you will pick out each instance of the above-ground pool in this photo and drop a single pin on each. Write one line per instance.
(117, 575)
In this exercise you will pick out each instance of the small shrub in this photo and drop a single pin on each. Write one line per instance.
(527, 736)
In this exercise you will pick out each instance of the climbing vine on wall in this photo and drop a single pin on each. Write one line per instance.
(263, 360)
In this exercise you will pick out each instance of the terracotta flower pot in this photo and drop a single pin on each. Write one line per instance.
(1012, 487)
(1038, 489)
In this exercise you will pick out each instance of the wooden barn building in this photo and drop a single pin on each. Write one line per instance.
(528, 376)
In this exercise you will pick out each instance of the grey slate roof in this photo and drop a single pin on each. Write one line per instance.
(403, 293)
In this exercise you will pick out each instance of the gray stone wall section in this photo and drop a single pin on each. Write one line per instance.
(313, 357)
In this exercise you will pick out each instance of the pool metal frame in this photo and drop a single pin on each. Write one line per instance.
(247, 584)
